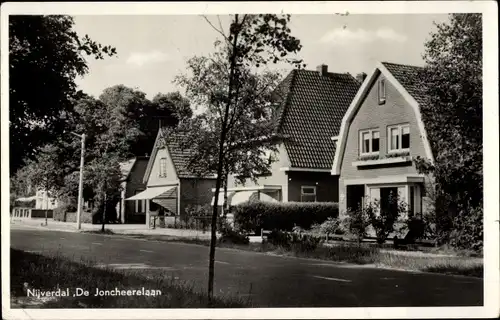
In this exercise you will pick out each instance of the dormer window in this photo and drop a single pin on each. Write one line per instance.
(381, 91)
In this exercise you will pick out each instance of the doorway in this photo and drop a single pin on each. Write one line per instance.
(355, 196)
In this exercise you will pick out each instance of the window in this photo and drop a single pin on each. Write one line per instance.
(381, 91)
(163, 167)
(369, 142)
(399, 138)
(308, 194)
(140, 205)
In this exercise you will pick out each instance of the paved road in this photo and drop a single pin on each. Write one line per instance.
(269, 281)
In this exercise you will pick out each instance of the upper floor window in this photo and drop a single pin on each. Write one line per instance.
(399, 138)
(308, 194)
(163, 168)
(381, 91)
(369, 141)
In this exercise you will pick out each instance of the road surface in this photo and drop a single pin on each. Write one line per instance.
(265, 280)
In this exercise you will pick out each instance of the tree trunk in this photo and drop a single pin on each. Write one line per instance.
(104, 212)
(220, 166)
(46, 221)
(225, 205)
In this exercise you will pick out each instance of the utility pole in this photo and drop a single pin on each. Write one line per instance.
(80, 185)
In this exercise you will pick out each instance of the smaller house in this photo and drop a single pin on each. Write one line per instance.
(42, 200)
(380, 134)
(170, 184)
(310, 105)
(133, 171)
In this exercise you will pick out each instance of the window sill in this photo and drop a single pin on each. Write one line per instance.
(376, 162)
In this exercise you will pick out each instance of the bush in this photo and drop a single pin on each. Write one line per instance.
(383, 221)
(229, 234)
(294, 241)
(416, 229)
(254, 216)
(330, 226)
(356, 222)
(468, 230)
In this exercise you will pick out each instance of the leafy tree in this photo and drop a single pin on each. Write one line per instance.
(452, 82)
(45, 174)
(252, 42)
(45, 57)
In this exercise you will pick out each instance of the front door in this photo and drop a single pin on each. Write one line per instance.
(388, 200)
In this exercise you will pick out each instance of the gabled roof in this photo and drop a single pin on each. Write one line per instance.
(311, 112)
(126, 168)
(408, 77)
(180, 156)
(405, 79)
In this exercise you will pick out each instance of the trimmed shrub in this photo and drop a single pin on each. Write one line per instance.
(254, 216)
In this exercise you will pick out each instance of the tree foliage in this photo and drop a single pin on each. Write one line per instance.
(452, 82)
(45, 57)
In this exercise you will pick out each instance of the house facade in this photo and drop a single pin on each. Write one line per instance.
(381, 133)
(169, 185)
(309, 111)
(133, 171)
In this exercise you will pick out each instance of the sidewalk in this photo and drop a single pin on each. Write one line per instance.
(126, 229)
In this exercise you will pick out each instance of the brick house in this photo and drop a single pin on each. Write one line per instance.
(133, 173)
(309, 110)
(380, 135)
(169, 183)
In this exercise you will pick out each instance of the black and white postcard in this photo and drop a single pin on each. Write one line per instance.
(249, 160)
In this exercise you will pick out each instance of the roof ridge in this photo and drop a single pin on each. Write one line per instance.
(293, 75)
(401, 64)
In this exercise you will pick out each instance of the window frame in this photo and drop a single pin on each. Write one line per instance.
(381, 91)
(302, 194)
(163, 173)
(400, 138)
(361, 142)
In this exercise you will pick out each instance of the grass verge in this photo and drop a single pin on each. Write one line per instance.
(34, 271)
(363, 254)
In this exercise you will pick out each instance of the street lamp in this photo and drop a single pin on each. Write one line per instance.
(80, 185)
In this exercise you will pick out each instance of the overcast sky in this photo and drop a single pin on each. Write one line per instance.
(152, 50)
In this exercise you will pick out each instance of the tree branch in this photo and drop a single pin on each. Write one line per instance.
(217, 30)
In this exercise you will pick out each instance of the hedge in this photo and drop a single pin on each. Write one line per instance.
(254, 216)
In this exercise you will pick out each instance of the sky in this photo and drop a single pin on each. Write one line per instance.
(152, 50)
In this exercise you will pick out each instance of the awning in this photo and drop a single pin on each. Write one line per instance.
(27, 198)
(151, 193)
(220, 201)
(242, 196)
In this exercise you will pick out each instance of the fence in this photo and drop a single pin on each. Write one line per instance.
(29, 213)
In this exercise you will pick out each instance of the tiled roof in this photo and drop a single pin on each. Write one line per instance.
(314, 106)
(180, 154)
(409, 77)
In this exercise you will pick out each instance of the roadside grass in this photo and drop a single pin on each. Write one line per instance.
(51, 272)
(452, 265)
(438, 260)
(106, 231)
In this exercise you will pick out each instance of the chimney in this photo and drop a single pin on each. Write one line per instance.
(322, 69)
(360, 77)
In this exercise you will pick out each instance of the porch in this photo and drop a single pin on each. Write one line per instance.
(160, 201)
